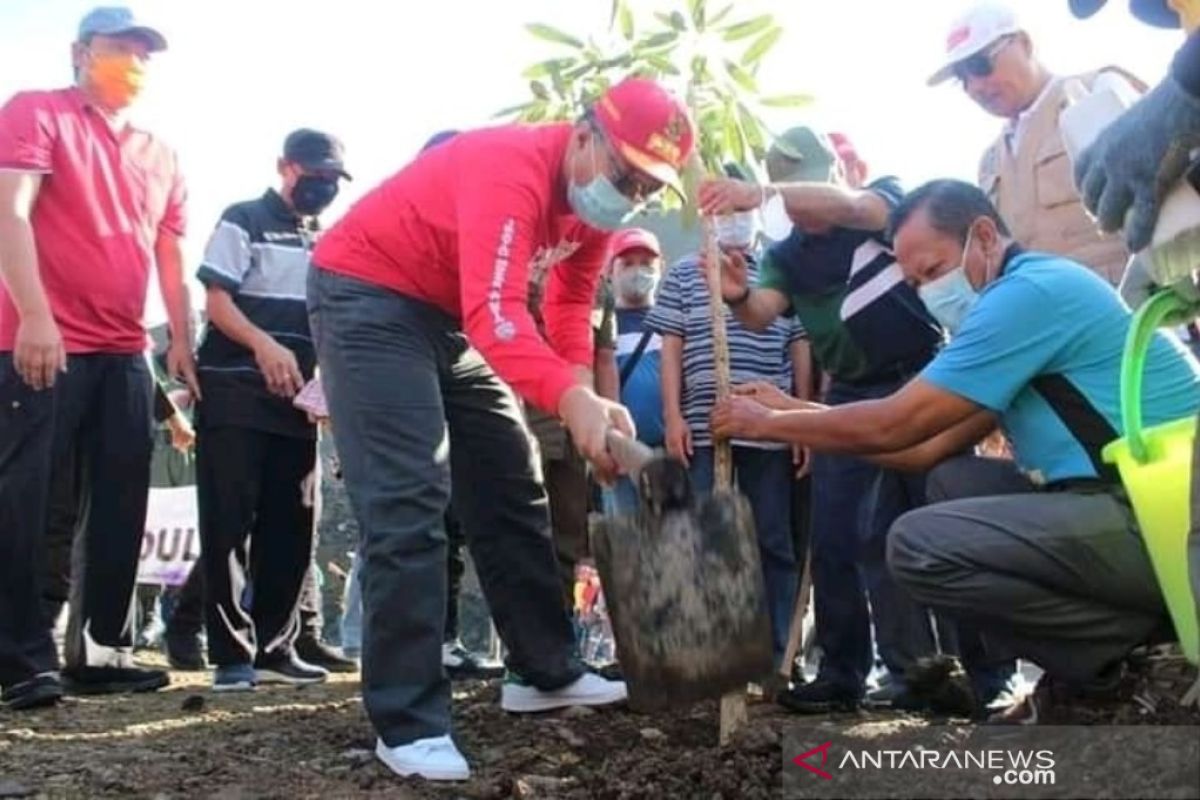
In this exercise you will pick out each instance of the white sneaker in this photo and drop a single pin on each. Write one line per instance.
(435, 759)
(589, 690)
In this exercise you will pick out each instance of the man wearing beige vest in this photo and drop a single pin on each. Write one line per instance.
(1026, 172)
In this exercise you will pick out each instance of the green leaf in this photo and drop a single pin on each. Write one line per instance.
(625, 14)
(720, 16)
(539, 90)
(516, 110)
(787, 100)
(612, 14)
(663, 65)
(753, 129)
(762, 44)
(735, 146)
(551, 34)
(696, 8)
(743, 78)
(544, 69)
(677, 21)
(661, 40)
(746, 29)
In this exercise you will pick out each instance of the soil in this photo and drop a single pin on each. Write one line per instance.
(316, 742)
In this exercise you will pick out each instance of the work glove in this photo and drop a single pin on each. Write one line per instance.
(1138, 285)
(1136, 160)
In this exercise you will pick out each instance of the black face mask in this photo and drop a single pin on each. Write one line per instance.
(312, 194)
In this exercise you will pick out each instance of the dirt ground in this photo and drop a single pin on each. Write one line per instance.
(316, 742)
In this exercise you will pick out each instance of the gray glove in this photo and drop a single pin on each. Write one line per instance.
(1137, 159)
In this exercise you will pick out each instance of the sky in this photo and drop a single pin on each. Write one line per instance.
(383, 76)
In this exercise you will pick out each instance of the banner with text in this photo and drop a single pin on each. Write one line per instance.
(171, 543)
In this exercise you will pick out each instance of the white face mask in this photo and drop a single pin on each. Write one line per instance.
(736, 231)
(951, 297)
(637, 284)
(777, 225)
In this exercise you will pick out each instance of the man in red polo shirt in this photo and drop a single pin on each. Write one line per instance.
(88, 202)
(420, 308)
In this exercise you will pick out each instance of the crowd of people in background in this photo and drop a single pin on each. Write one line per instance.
(924, 382)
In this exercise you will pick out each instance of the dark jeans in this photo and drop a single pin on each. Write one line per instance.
(418, 411)
(254, 528)
(853, 505)
(90, 436)
(1060, 578)
(765, 478)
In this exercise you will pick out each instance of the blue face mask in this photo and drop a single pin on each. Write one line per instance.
(950, 298)
(599, 203)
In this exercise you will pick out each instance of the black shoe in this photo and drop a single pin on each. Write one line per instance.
(184, 652)
(317, 653)
(39, 691)
(821, 696)
(114, 680)
(462, 664)
(287, 669)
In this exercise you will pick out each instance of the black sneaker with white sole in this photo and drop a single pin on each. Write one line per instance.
(462, 664)
(114, 680)
(287, 669)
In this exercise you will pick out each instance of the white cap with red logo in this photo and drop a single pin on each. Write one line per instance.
(972, 32)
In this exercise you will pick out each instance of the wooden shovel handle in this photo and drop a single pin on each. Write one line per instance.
(630, 454)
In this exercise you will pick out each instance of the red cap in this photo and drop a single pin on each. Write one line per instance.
(649, 126)
(633, 239)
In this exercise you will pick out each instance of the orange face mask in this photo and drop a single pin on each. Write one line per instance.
(118, 78)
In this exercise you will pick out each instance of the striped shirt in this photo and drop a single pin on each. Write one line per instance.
(682, 309)
(259, 253)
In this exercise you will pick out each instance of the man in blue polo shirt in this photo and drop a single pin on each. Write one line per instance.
(835, 272)
(1042, 554)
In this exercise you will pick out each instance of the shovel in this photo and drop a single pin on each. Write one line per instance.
(683, 584)
(682, 576)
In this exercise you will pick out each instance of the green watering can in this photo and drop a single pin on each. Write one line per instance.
(1156, 469)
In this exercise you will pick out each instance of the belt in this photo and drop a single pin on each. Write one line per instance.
(1085, 486)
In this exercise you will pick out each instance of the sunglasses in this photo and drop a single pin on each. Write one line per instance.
(626, 179)
(983, 63)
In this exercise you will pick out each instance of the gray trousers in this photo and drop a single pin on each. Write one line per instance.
(1057, 577)
(417, 410)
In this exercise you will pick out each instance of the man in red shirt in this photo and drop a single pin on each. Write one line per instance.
(419, 305)
(88, 202)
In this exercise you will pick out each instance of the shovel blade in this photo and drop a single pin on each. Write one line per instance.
(686, 599)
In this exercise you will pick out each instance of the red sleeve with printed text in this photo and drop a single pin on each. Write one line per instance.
(500, 210)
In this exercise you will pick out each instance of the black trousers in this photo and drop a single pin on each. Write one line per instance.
(187, 616)
(90, 436)
(256, 533)
(418, 411)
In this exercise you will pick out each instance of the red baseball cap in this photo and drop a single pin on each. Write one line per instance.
(650, 128)
(633, 239)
